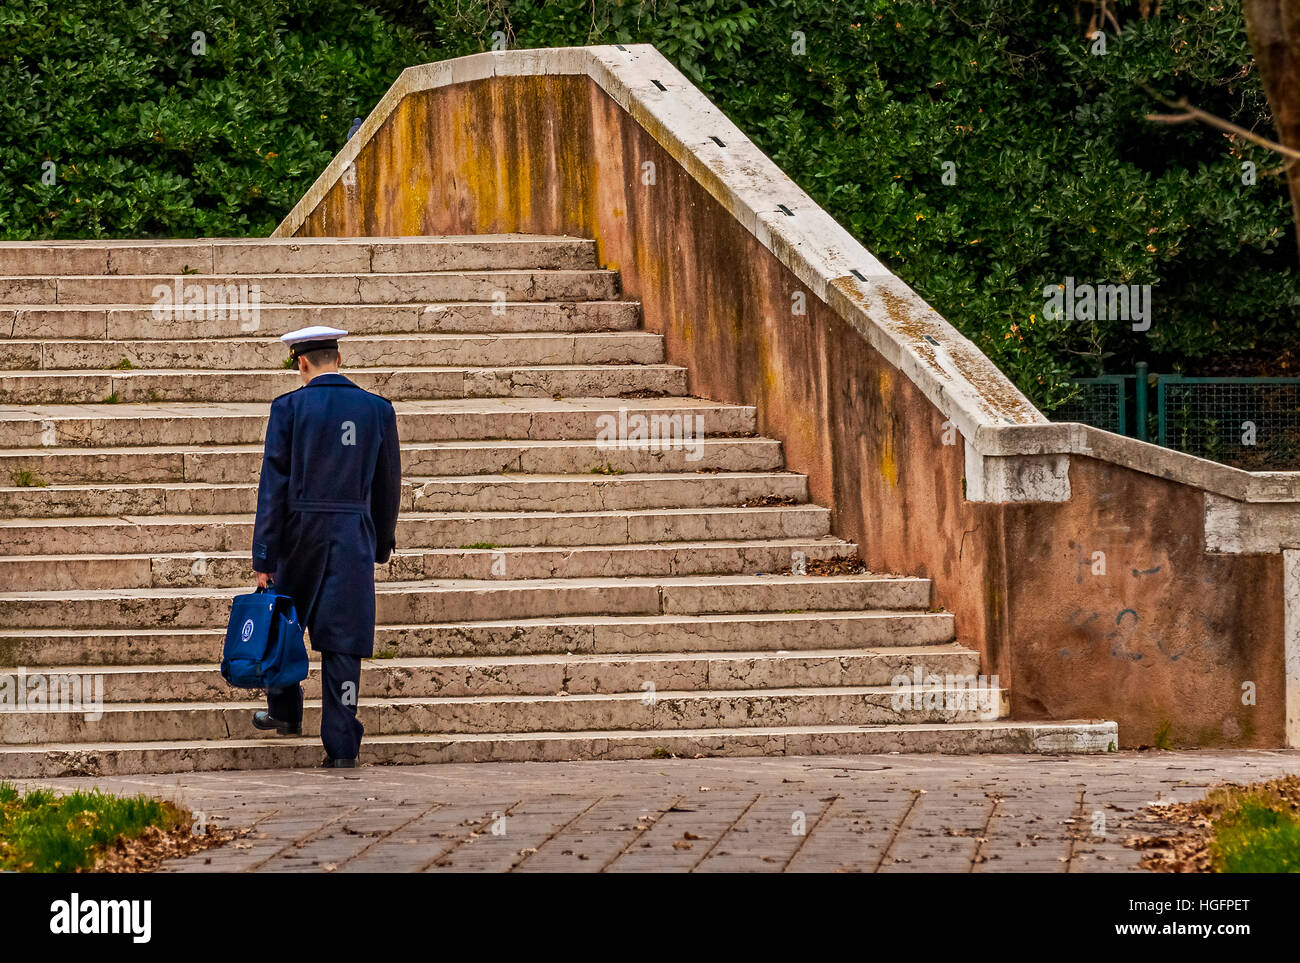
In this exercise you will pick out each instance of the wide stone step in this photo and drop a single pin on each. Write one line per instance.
(638, 711)
(146, 385)
(295, 255)
(214, 295)
(213, 464)
(458, 600)
(365, 351)
(135, 321)
(552, 674)
(189, 755)
(144, 534)
(235, 423)
(583, 634)
(577, 493)
(604, 492)
(114, 571)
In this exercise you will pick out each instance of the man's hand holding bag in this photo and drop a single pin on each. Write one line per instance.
(264, 646)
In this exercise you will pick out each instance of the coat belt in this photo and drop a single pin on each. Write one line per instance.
(328, 505)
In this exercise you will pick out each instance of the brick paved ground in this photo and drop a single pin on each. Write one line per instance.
(890, 813)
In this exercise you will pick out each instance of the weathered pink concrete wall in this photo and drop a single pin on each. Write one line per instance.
(1162, 643)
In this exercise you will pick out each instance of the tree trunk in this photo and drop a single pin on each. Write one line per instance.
(1274, 30)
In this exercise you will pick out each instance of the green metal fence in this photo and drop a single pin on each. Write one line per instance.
(1102, 402)
(1250, 423)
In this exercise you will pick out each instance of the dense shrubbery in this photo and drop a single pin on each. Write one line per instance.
(151, 139)
(1057, 172)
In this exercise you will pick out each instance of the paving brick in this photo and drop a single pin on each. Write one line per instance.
(696, 815)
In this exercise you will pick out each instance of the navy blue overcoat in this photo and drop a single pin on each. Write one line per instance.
(327, 507)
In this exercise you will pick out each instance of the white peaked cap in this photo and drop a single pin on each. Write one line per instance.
(317, 332)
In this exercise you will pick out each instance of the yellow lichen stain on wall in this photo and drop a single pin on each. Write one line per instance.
(888, 467)
(519, 203)
(474, 206)
(417, 193)
(888, 464)
(767, 370)
(523, 147)
(493, 193)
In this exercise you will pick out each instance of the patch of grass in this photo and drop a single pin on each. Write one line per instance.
(386, 654)
(479, 545)
(123, 365)
(43, 832)
(606, 469)
(27, 479)
(660, 753)
(1252, 828)
(1257, 831)
(1162, 735)
(112, 399)
(288, 362)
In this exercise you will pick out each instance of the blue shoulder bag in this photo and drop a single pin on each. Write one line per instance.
(264, 647)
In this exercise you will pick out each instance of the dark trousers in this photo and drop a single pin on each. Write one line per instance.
(340, 729)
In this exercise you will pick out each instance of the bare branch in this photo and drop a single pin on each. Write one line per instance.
(1190, 113)
(1170, 118)
(1107, 15)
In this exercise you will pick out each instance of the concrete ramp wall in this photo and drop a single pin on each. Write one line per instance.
(1098, 576)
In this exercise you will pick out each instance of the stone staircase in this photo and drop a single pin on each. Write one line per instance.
(551, 597)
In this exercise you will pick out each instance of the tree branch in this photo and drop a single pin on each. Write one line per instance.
(1195, 113)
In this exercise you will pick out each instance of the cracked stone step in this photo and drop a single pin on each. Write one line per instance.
(191, 755)
(340, 288)
(550, 674)
(135, 321)
(577, 493)
(145, 534)
(112, 571)
(450, 419)
(603, 492)
(295, 255)
(210, 464)
(143, 385)
(589, 634)
(364, 351)
(459, 600)
(638, 710)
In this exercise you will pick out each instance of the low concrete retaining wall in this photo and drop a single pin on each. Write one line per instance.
(1098, 576)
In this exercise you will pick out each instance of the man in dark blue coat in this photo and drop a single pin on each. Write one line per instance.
(326, 514)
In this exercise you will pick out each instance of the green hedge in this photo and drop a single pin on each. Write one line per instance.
(1057, 172)
(152, 140)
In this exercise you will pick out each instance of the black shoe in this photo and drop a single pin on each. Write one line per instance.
(263, 720)
(328, 763)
